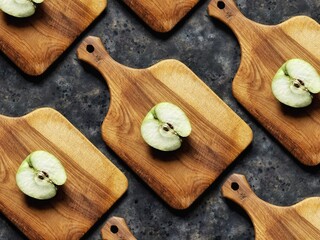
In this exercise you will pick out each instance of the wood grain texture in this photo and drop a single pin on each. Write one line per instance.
(161, 15)
(116, 228)
(34, 43)
(300, 221)
(263, 51)
(92, 187)
(218, 134)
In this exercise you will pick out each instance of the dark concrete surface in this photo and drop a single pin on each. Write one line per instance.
(211, 50)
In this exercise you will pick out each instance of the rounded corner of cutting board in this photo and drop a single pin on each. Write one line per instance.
(124, 182)
(165, 14)
(34, 70)
(180, 202)
(103, 5)
(249, 137)
(162, 27)
(106, 3)
(181, 205)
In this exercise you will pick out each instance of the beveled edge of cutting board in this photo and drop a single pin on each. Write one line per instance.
(40, 68)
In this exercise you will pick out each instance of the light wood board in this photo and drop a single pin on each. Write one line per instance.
(34, 43)
(94, 184)
(264, 49)
(161, 15)
(300, 221)
(217, 138)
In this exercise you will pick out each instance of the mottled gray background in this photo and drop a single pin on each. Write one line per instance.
(211, 50)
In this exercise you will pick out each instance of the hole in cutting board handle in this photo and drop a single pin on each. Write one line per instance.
(221, 5)
(90, 48)
(114, 229)
(235, 186)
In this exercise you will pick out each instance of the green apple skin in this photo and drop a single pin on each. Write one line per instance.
(295, 83)
(40, 184)
(164, 125)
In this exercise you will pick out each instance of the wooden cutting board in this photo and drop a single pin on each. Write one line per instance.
(34, 43)
(161, 15)
(92, 187)
(217, 138)
(300, 221)
(264, 49)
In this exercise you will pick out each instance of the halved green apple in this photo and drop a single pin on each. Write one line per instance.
(39, 175)
(295, 83)
(164, 126)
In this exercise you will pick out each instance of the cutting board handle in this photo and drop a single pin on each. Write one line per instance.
(228, 12)
(237, 189)
(116, 228)
(93, 52)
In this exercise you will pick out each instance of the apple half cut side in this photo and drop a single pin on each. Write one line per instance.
(40, 174)
(295, 83)
(164, 126)
(19, 8)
